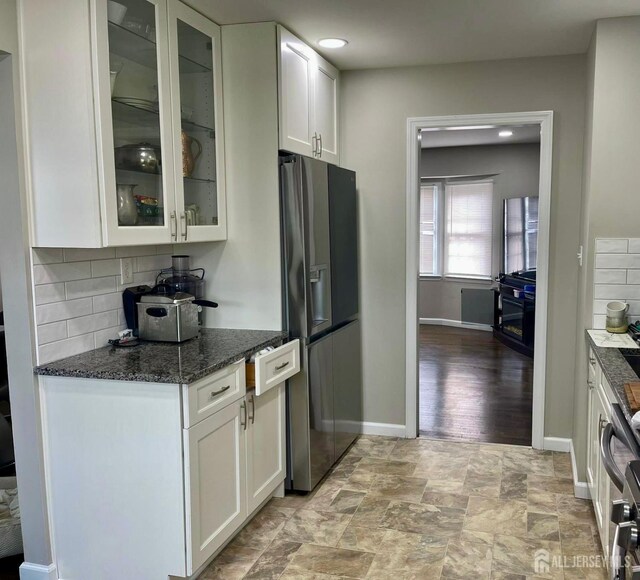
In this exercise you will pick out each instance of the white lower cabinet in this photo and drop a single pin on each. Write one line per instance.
(215, 456)
(164, 494)
(597, 478)
(266, 460)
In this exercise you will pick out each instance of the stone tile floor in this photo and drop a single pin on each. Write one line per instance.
(424, 509)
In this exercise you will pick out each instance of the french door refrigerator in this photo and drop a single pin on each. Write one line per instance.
(320, 280)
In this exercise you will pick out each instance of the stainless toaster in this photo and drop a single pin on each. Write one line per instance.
(169, 317)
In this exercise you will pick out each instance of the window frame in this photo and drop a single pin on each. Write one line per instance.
(437, 229)
(445, 237)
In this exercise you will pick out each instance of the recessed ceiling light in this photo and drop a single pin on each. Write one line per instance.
(470, 127)
(332, 42)
(506, 133)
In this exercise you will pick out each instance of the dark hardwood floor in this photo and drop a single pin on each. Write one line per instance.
(9, 567)
(473, 387)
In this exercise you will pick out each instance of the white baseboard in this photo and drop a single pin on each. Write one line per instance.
(557, 444)
(456, 323)
(387, 429)
(580, 488)
(30, 571)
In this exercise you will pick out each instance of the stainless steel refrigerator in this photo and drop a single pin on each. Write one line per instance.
(320, 280)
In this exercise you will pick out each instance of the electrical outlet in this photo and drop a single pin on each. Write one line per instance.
(126, 270)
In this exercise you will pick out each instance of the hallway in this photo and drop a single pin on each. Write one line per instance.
(472, 387)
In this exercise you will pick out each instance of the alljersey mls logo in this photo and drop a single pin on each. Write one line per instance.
(543, 561)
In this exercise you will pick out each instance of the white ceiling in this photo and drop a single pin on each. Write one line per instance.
(383, 33)
(459, 138)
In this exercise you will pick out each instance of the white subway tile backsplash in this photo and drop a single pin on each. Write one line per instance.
(102, 337)
(49, 273)
(617, 292)
(82, 254)
(616, 277)
(105, 268)
(152, 263)
(90, 287)
(106, 302)
(52, 332)
(78, 294)
(633, 276)
(135, 251)
(617, 260)
(63, 310)
(46, 293)
(607, 276)
(67, 347)
(599, 321)
(47, 255)
(92, 322)
(600, 306)
(612, 246)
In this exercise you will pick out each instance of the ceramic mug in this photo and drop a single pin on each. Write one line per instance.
(617, 317)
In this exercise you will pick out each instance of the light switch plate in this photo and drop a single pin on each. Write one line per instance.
(126, 270)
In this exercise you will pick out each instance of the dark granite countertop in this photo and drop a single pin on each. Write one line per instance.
(617, 372)
(162, 362)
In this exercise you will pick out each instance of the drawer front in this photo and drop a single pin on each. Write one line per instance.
(276, 366)
(214, 392)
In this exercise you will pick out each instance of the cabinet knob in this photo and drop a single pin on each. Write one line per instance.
(621, 511)
(628, 536)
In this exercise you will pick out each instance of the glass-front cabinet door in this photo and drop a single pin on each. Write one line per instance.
(136, 136)
(196, 89)
(160, 128)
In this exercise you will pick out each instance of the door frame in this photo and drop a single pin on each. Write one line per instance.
(414, 125)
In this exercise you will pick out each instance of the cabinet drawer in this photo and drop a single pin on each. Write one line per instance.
(276, 366)
(212, 393)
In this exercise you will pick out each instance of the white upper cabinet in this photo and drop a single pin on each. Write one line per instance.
(327, 79)
(308, 100)
(125, 134)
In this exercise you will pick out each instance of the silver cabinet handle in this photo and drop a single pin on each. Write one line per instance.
(174, 227)
(183, 219)
(602, 423)
(252, 416)
(214, 394)
(320, 144)
(243, 406)
(280, 367)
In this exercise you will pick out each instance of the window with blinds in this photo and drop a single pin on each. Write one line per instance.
(428, 230)
(468, 229)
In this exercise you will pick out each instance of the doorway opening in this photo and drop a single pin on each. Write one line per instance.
(478, 212)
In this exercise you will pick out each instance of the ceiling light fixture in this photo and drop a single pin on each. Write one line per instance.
(470, 127)
(332, 42)
(506, 133)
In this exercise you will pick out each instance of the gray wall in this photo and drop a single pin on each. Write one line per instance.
(18, 302)
(518, 166)
(611, 202)
(375, 108)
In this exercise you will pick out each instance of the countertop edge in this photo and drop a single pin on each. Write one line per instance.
(53, 369)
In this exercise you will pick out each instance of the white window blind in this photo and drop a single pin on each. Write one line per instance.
(468, 229)
(428, 230)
